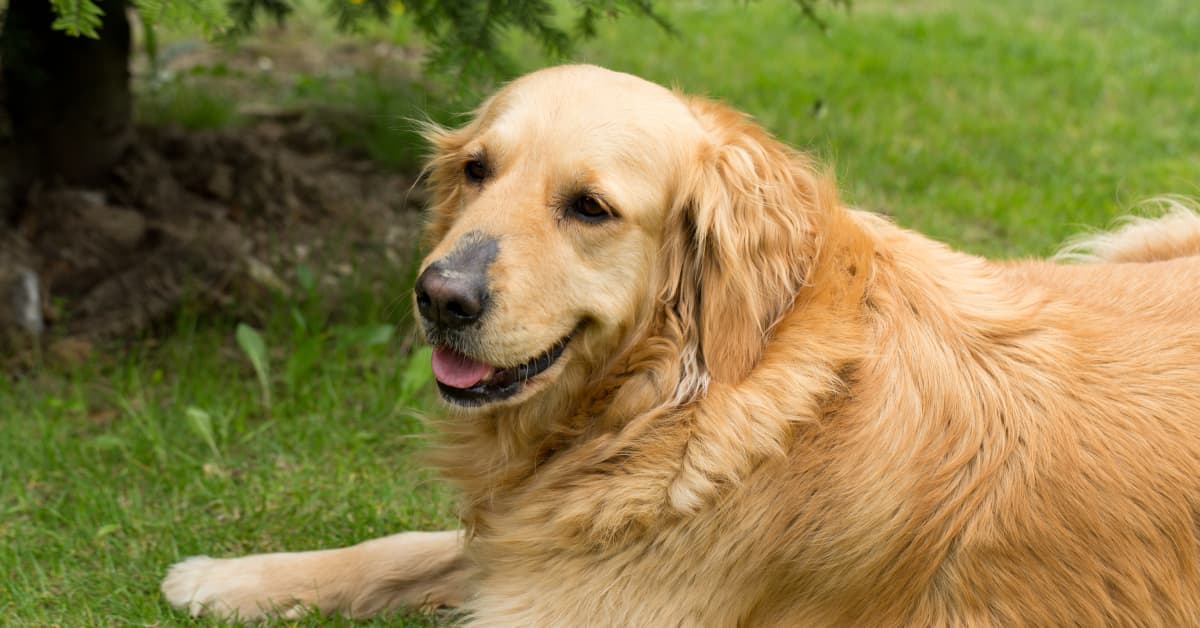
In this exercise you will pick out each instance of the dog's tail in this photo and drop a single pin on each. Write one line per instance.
(1175, 233)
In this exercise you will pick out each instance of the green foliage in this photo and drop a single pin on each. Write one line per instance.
(465, 39)
(202, 424)
(373, 113)
(179, 101)
(77, 17)
(255, 348)
(211, 16)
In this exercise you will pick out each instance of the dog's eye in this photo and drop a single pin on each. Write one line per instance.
(475, 170)
(589, 208)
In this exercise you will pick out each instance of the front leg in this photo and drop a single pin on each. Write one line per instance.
(411, 570)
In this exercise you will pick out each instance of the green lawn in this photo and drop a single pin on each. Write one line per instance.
(1001, 127)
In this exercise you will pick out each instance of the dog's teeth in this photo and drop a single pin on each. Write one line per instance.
(488, 377)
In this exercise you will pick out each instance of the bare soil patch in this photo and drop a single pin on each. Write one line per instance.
(207, 217)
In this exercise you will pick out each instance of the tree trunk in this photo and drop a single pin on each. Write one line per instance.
(68, 98)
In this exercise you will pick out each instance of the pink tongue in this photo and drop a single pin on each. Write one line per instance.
(457, 370)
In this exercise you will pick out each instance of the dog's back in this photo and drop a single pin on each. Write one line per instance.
(1020, 444)
(1145, 270)
(1176, 233)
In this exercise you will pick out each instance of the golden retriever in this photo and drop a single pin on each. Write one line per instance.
(691, 388)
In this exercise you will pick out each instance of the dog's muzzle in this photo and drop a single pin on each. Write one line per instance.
(452, 292)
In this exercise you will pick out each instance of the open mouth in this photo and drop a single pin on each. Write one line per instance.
(469, 382)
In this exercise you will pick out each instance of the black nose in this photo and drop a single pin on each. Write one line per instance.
(451, 298)
(452, 292)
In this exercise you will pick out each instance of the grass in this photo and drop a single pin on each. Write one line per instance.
(1000, 127)
(114, 469)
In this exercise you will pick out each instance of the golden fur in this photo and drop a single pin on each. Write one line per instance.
(775, 410)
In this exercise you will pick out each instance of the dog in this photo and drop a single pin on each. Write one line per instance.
(689, 387)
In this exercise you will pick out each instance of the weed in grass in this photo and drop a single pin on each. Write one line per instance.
(252, 345)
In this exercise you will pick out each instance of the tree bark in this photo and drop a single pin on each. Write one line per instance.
(68, 98)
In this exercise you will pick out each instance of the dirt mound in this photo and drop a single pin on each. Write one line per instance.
(209, 216)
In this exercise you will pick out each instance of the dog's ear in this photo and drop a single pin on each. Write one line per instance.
(741, 239)
(442, 176)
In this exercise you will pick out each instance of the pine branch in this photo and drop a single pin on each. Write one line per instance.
(212, 16)
(464, 36)
(77, 18)
(243, 14)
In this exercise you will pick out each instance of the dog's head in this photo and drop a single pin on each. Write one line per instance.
(582, 209)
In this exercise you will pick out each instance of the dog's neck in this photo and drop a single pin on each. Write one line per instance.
(577, 426)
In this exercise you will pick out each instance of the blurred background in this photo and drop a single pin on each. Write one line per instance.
(209, 213)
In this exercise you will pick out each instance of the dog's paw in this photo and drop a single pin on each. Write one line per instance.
(226, 588)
